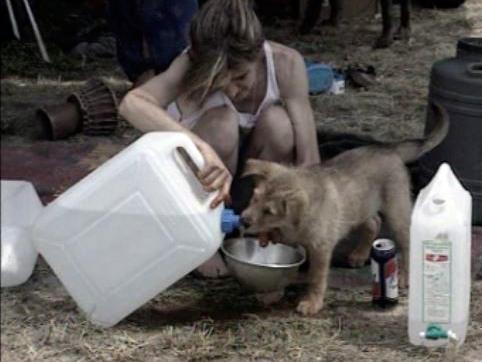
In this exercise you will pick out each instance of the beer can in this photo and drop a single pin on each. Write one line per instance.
(385, 273)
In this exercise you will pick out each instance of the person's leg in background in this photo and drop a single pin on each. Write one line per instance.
(125, 23)
(165, 25)
(149, 34)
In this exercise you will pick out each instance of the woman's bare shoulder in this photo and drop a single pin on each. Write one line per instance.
(289, 65)
(284, 53)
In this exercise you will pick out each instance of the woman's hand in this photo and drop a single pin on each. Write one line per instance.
(214, 176)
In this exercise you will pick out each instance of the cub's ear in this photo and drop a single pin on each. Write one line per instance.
(261, 170)
(294, 204)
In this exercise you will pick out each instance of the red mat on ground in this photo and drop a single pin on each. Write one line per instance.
(52, 167)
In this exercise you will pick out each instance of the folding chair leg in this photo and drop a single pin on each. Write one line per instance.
(12, 19)
(38, 36)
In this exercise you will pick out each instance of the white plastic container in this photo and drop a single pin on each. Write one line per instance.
(18, 256)
(440, 238)
(131, 228)
(20, 207)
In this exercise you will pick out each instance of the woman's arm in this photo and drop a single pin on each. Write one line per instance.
(144, 107)
(293, 84)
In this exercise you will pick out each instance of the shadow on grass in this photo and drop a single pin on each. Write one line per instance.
(219, 300)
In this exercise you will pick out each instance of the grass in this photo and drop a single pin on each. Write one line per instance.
(200, 320)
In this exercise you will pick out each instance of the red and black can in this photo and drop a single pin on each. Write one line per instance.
(385, 273)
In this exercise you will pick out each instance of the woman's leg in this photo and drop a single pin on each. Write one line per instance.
(272, 138)
(219, 128)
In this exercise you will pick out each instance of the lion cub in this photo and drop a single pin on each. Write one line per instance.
(318, 206)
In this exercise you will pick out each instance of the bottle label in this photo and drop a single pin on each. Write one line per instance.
(437, 281)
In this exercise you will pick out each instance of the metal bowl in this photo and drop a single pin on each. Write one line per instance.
(262, 269)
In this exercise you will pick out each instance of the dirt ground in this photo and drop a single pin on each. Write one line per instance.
(197, 320)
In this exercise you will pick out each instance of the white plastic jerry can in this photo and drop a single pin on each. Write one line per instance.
(131, 228)
(440, 247)
(20, 207)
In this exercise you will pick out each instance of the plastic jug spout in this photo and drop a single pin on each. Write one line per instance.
(229, 221)
(434, 332)
(439, 195)
(444, 182)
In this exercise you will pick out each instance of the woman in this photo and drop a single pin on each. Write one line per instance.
(236, 95)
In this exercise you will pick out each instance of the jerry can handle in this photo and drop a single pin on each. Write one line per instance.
(186, 157)
(475, 69)
(191, 155)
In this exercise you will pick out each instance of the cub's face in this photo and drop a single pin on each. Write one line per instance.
(277, 201)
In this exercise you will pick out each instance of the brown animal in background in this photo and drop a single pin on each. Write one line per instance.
(313, 11)
(319, 206)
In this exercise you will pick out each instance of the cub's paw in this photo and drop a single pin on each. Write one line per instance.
(357, 259)
(309, 306)
(268, 299)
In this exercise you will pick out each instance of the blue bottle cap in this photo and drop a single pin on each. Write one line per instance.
(229, 221)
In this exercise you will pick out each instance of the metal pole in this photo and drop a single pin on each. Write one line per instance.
(36, 31)
(13, 20)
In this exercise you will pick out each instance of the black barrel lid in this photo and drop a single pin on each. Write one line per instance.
(470, 47)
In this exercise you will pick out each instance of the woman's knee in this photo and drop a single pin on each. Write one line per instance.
(219, 128)
(274, 134)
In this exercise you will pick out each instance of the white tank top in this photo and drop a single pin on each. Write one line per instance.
(219, 98)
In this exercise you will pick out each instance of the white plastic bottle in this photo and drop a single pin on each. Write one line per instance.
(20, 207)
(440, 247)
(131, 228)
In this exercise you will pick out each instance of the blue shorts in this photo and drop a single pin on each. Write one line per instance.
(163, 23)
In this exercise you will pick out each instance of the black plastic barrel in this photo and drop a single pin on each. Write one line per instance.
(456, 84)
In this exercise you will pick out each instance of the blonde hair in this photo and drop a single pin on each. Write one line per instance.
(224, 35)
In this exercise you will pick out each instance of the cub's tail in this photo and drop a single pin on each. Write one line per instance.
(411, 150)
